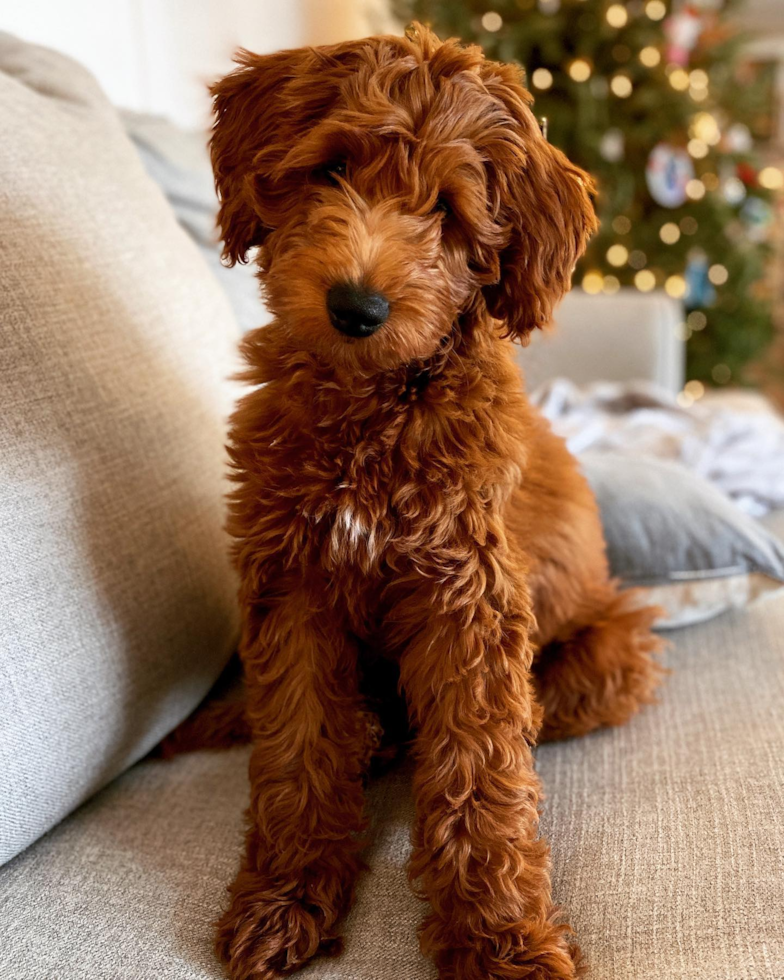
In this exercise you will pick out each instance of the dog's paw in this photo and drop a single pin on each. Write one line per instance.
(543, 953)
(269, 930)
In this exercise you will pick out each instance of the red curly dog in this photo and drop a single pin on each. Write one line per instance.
(398, 502)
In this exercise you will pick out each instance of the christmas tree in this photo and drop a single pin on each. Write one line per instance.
(655, 99)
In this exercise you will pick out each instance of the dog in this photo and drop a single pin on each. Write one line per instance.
(401, 517)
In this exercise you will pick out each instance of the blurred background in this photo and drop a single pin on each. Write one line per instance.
(675, 106)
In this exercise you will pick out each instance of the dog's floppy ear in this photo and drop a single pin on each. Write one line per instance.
(545, 203)
(257, 120)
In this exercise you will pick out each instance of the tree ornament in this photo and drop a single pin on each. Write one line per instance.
(667, 174)
(699, 290)
(682, 30)
(747, 174)
(737, 139)
(733, 189)
(757, 216)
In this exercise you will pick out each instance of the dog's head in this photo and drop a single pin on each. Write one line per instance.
(392, 184)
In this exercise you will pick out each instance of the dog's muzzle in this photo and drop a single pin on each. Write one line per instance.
(356, 311)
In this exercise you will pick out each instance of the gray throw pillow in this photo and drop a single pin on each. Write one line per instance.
(117, 607)
(669, 530)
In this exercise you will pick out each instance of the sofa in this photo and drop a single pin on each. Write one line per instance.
(667, 834)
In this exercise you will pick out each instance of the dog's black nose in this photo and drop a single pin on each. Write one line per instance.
(356, 311)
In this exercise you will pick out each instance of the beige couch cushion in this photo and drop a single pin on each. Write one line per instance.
(668, 845)
(116, 597)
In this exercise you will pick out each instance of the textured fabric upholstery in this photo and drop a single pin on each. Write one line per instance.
(627, 336)
(117, 600)
(668, 845)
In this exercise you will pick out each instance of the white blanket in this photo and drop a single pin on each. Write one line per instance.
(735, 441)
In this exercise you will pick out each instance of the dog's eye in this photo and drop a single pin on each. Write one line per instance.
(442, 205)
(333, 170)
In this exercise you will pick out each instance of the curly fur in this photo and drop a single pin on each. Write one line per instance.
(397, 500)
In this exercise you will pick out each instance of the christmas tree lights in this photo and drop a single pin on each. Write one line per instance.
(650, 98)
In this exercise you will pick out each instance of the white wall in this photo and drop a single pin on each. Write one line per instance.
(762, 15)
(158, 55)
(104, 36)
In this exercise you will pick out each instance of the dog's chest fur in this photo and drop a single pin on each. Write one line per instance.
(368, 493)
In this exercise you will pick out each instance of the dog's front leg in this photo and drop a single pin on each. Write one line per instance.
(477, 856)
(310, 748)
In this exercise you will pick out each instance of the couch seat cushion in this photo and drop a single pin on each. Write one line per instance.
(668, 845)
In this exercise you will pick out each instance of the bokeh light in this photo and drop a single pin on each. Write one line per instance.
(593, 282)
(705, 128)
(771, 178)
(670, 233)
(697, 320)
(650, 56)
(645, 281)
(698, 149)
(617, 255)
(542, 79)
(695, 189)
(679, 79)
(621, 86)
(675, 286)
(617, 15)
(580, 70)
(492, 21)
(698, 78)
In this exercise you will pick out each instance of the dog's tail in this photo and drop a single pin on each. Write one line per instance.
(219, 722)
